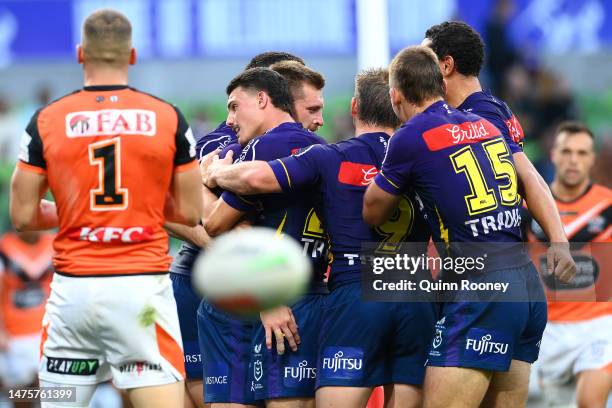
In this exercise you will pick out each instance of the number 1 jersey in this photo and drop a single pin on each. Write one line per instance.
(109, 154)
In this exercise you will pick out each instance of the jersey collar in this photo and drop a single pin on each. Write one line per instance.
(95, 88)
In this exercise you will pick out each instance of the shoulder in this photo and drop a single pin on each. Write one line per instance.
(57, 103)
(219, 138)
(601, 191)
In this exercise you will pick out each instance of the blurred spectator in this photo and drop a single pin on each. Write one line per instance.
(200, 122)
(602, 171)
(10, 132)
(500, 52)
(342, 127)
(25, 276)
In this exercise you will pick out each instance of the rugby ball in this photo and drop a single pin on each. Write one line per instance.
(248, 270)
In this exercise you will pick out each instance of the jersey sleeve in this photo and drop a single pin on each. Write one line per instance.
(210, 142)
(398, 163)
(299, 170)
(249, 152)
(184, 157)
(510, 129)
(31, 148)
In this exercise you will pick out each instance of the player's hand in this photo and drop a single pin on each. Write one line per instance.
(205, 163)
(209, 167)
(559, 262)
(280, 322)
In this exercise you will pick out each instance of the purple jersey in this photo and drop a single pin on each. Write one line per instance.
(340, 173)
(464, 174)
(485, 105)
(219, 138)
(292, 214)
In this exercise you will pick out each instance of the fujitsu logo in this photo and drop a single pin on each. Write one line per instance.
(467, 131)
(111, 122)
(339, 363)
(301, 371)
(485, 345)
(112, 234)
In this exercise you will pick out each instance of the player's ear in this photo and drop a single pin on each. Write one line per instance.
(79, 51)
(262, 99)
(353, 106)
(395, 96)
(132, 56)
(447, 65)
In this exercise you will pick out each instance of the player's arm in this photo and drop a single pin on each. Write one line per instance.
(245, 178)
(226, 212)
(184, 203)
(260, 177)
(543, 209)
(378, 205)
(28, 210)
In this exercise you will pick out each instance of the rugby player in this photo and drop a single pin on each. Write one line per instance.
(25, 275)
(460, 52)
(119, 163)
(260, 107)
(577, 343)
(306, 87)
(362, 344)
(195, 238)
(461, 168)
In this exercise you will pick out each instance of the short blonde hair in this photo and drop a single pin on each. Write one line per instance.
(107, 37)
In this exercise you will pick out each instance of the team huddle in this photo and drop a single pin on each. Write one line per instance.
(434, 157)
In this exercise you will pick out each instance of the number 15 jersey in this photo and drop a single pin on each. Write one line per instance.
(463, 171)
(109, 154)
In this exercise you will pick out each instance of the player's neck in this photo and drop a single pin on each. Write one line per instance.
(103, 75)
(276, 118)
(564, 192)
(361, 128)
(460, 87)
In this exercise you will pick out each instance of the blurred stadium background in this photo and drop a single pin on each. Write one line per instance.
(549, 59)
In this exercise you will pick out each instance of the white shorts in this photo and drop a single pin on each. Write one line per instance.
(569, 348)
(122, 327)
(19, 363)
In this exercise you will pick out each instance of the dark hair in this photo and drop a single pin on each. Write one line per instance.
(372, 97)
(265, 59)
(460, 41)
(415, 72)
(572, 127)
(268, 81)
(296, 74)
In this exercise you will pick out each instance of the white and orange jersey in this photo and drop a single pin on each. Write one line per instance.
(26, 275)
(586, 220)
(109, 154)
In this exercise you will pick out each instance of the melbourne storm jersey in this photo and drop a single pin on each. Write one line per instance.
(464, 173)
(340, 173)
(220, 138)
(485, 105)
(293, 214)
